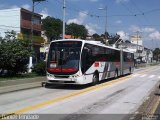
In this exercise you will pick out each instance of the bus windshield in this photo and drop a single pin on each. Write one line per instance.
(64, 57)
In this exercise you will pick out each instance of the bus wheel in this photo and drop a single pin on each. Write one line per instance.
(116, 74)
(95, 79)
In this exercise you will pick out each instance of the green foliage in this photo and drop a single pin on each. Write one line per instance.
(77, 30)
(13, 54)
(156, 54)
(113, 38)
(13, 57)
(98, 38)
(40, 68)
(95, 36)
(52, 27)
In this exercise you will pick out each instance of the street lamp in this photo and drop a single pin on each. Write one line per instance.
(64, 14)
(32, 22)
(105, 9)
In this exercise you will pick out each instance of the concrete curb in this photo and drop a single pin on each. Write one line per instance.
(16, 85)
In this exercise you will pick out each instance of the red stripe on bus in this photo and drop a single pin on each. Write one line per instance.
(62, 70)
(54, 69)
(69, 69)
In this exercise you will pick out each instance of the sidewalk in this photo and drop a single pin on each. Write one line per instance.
(20, 84)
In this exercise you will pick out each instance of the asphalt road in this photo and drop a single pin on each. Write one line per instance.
(113, 99)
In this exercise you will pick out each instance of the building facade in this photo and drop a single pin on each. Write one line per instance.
(141, 53)
(20, 21)
(136, 39)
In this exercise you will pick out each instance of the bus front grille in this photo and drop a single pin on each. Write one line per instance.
(61, 76)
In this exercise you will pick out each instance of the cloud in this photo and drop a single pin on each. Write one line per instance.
(80, 19)
(119, 1)
(134, 28)
(44, 12)
(123, 35)
(92, 28)
(148, 34)
(148, 29)
(26, 6)
(155, 35)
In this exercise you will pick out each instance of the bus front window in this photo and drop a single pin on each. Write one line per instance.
(64, 57)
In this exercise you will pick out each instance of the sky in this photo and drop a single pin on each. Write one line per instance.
(124, 17)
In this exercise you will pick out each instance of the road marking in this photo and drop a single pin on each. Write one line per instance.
(158, 76)
(151, 76)
(71, 95)
(152, 112)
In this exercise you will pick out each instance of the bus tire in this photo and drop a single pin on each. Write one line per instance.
(116, 74)
(95, 79)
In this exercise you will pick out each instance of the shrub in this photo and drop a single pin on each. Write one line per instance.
(13, 57)
(40, 68)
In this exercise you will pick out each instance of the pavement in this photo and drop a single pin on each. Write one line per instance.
(121, 96)
(20, 84)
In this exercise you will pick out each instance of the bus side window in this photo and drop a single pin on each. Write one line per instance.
(86, 59)
(83, 60)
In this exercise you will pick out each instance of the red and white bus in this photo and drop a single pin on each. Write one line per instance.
(74, 61)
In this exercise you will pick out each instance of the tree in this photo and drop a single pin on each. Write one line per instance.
(95, 36)
(127, 41)
(156, 54)
(13, 55)
(98, 38)
(78, 31)
(1, 40)
(10, 35)
(113, 38)
(52, 27)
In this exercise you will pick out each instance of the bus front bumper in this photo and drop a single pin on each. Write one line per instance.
(63, 79)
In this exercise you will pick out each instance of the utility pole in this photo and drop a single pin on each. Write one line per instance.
(32, 23)
(138, 37)
(106, 23)
(121, 60)
(32, 20)
(64, 14)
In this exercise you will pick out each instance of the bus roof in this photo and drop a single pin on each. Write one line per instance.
(98, 43)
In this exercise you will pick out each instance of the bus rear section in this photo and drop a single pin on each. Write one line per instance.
(64, 62)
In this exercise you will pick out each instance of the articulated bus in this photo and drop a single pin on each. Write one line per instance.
(74, 61)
